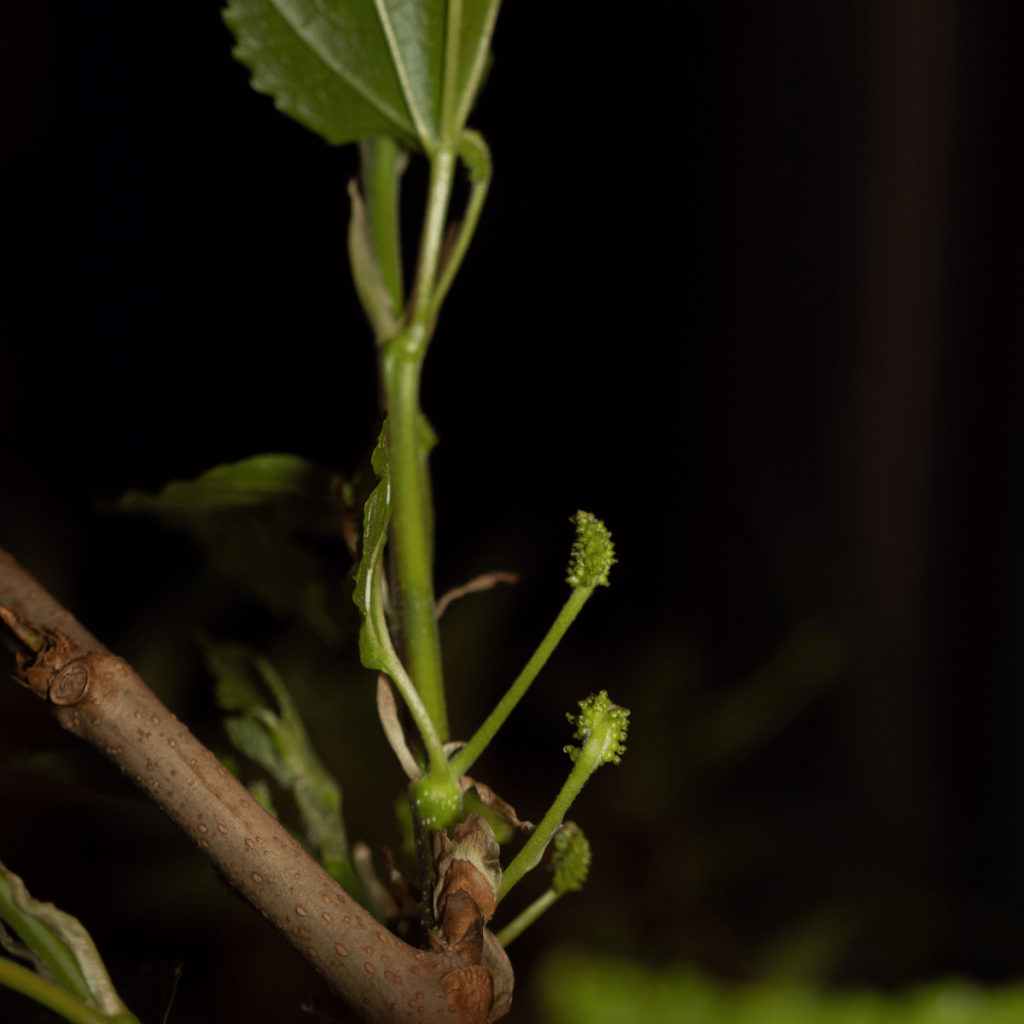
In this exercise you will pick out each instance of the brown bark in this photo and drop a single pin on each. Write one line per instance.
(96, 695)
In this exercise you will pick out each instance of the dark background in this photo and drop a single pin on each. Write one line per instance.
(748, 286)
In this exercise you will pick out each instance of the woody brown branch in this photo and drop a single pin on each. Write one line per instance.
(97, 696)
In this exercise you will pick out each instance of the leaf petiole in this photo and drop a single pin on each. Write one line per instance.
(28, 983)
(476, 156)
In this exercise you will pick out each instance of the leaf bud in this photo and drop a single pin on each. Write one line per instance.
(438, 801)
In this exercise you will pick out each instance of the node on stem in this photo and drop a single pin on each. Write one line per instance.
(438, 800)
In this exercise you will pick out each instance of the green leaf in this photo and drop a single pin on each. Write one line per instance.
(576, 987)
(245, 516)
(259, 480)
(259, 555)
(476, 155)
(332, 72)
(261, 791)
(276, 739)
(348, 69)
(477, 28)
(415, 36)
(60, 949)
(238, 686)
(251, 736)
(759, 707)
(375, 648)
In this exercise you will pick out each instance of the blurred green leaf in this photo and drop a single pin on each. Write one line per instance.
(238, 686)
(261, 791)
(576, 987)
(251, 736)
(59, 948)
(766, 702)
(259, 480)
(276, 739)
(813, 948)
(348, 69)
(267, 564)
(308, 83)
(245, 516)
(375, 650)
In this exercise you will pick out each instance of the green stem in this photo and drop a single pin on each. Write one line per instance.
(409, 530)
(382, 162)
(28, 983)
(477, 196)
(463, 760)
(587, 762)
(401, 365)
(518, 925)
(439, 192)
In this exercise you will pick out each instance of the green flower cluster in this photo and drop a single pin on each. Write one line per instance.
(605, 722)
(570, 859)
(593, 552)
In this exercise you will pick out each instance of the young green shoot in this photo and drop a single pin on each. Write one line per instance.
(593, 554)
(46, 993)
(601, 725)
(570, 863)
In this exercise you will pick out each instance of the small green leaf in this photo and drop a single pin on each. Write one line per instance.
(59, 947)
(238, 686)
(277, 740)
(476, 155)
(261, 791)
(270, 566)
(245, 517)
(375, 649)
(259, 480)
(252, 737)
(756, 709)
(593, 553)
